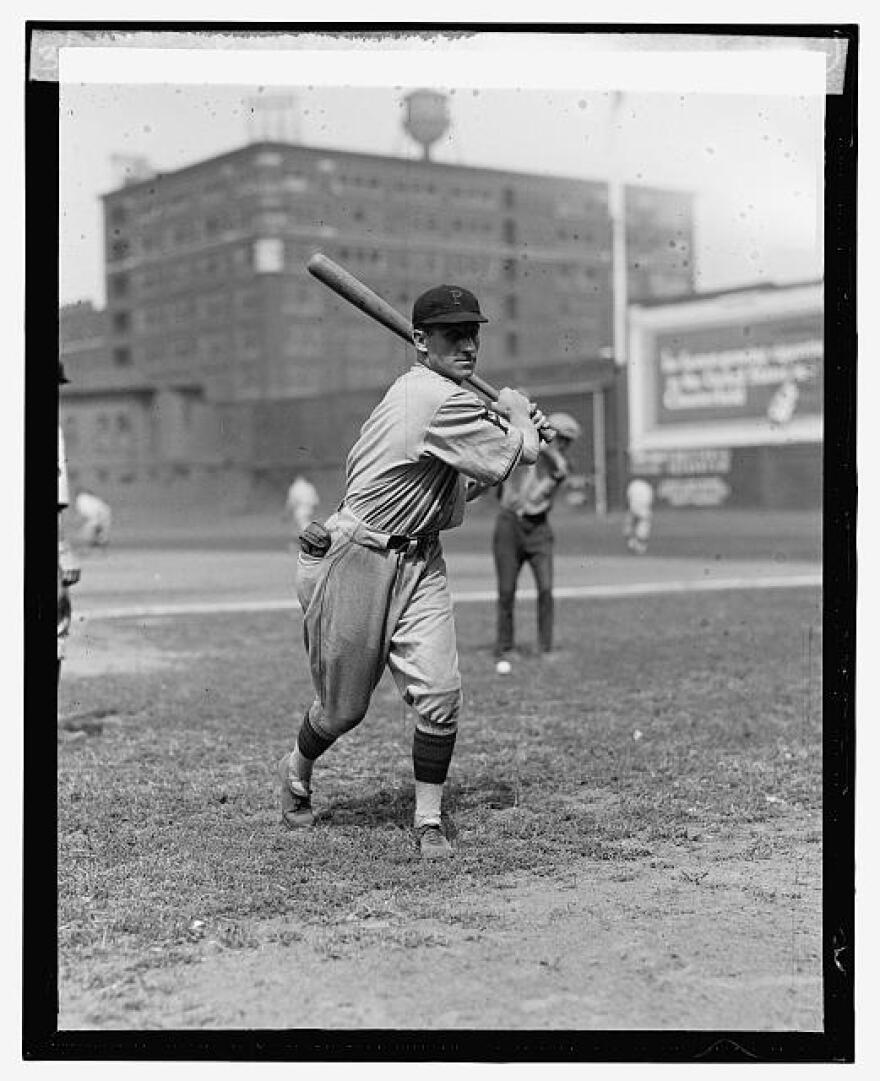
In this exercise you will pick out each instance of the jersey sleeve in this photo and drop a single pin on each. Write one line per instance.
(552, 464)
(467, 435)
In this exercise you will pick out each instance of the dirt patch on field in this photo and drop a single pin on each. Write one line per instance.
(713, 934)
(99, 649)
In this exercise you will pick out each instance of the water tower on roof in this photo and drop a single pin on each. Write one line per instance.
(427, 118)
(273, 118)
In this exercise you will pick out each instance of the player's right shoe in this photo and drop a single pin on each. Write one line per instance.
(432, 842)
(296, 803)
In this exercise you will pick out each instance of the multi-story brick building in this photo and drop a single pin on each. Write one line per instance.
(221, 357)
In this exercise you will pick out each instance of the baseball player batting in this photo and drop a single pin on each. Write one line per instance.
(371, 580)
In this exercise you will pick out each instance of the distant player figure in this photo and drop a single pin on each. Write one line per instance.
(96, 519)
(372, 580)
(302, 503)
(523, 534)
(783, 404)
(637, 524)
(68, 571)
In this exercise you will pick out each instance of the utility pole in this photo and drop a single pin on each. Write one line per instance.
(619, 284)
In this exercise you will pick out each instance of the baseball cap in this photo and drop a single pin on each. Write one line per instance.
(565, 425)
(447, 304)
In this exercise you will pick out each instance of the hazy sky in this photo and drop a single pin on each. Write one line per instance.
(754, 163)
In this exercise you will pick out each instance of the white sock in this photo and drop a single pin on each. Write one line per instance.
(428, 798)
(300, 768)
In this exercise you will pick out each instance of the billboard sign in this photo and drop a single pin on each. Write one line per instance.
(687, 478)
(740, 369)
(729, 372)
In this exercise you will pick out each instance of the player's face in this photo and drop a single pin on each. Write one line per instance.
(451, 349)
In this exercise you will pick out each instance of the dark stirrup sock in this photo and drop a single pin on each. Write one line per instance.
(432, 755)
(312, 744)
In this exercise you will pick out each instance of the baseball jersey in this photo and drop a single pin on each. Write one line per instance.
(530, 489)
(640, 496)
(302, 493)
(406, 472)
(91, 507)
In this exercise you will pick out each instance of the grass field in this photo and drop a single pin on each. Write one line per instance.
(637, 830)
(691, 533)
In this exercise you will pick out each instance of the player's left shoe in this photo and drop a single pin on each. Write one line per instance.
(432, 842)
(296, 806)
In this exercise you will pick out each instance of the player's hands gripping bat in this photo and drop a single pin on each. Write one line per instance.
(350, 288)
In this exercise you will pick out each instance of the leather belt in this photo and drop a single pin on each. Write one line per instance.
(398, 542)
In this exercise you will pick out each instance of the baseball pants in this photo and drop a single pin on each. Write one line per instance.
(366, 606)
(638, 526)
(517, 541)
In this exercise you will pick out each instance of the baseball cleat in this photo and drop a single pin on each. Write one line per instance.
(432, 842)
(296, 807)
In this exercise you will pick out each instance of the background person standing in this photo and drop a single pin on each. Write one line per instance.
(96, 517)
(637, 524)
(302, 503)
(523, 534)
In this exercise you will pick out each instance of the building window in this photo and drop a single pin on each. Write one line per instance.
(268, 255)
(509, 231)
(512, 343)
(121, 357)
(120, 249)
(510, 306)
(119, 284)
(102, 429)
(121, 322)
(509, 196)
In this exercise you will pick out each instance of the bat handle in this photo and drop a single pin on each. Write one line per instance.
(546, 435)
(483, 387)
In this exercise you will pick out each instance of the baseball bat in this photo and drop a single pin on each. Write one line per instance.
(350, 288)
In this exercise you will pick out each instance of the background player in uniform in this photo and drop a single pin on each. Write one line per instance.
(302, 503)
(637, 524)
(68, 571)
(378, 594)
(523, 534)
(96, 519)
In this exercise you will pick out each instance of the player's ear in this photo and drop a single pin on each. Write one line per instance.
(420, 340)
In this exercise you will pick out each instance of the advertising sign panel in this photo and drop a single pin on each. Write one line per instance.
(737, 369)
(731, 372)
